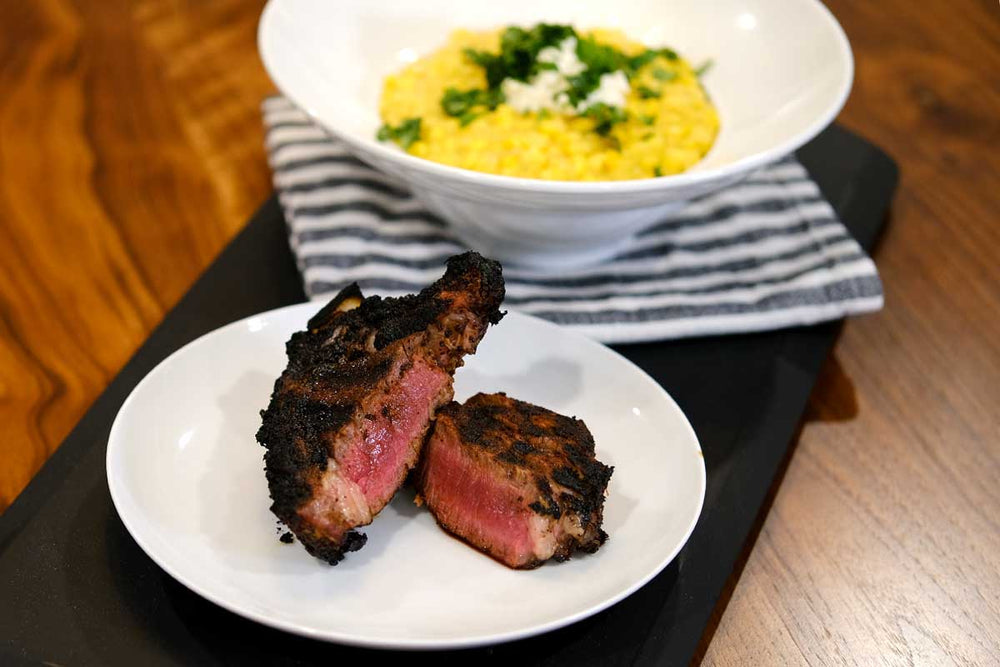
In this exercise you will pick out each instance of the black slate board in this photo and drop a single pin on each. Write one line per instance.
(76, 590)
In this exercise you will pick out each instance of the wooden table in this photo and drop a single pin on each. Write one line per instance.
(131, 152)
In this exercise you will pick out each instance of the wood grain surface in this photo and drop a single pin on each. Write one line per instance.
(131, 152)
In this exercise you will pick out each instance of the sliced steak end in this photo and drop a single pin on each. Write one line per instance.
(516, 481)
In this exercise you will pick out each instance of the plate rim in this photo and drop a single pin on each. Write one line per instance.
(117, 490)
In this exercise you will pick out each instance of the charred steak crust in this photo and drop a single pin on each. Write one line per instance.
(470, 281)
(353, 355)
(553, 453)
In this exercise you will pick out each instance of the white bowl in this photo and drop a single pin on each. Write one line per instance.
(782, 70)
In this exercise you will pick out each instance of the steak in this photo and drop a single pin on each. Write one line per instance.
(516, 481)
(349, 414)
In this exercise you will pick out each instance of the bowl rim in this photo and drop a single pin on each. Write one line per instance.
(470, 177)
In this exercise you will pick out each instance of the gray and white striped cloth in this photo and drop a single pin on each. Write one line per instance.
(766, 253)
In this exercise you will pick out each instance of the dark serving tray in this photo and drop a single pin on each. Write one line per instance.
(76, 590)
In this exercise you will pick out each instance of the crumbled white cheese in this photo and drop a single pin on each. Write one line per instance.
(547, 89)
(563, 57)
(611, 90)
(539, 93)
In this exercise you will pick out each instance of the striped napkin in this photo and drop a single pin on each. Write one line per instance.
(766, 253)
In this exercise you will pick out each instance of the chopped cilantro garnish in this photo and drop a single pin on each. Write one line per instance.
(460, 102)
(403, 134)
(518, 57)
(518, 60)
(635, 63)
(600, 59)
(492, 64)
(468, 117)
(647, 120)
(603, 59)
(657, 171)
(605, 117)
(647, 93)
(704, 67)
(599, 56)
(661, 74)
(481, 58)
(552, 34)
(455, 102)
(519, 47)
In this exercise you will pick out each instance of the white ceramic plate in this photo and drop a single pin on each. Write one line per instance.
(186, 476)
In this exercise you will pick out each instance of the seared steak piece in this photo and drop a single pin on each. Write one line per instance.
(348, 416)
(514, 480)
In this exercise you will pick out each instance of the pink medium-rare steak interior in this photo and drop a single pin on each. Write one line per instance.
(370, 464)
(474, 501)
(348, 415)
(516, 481)
(391, 433)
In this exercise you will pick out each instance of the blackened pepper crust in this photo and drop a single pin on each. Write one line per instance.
(471, 283)
(331, 310)
(333, 552)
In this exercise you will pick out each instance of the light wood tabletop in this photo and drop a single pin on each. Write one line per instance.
(131, 151)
